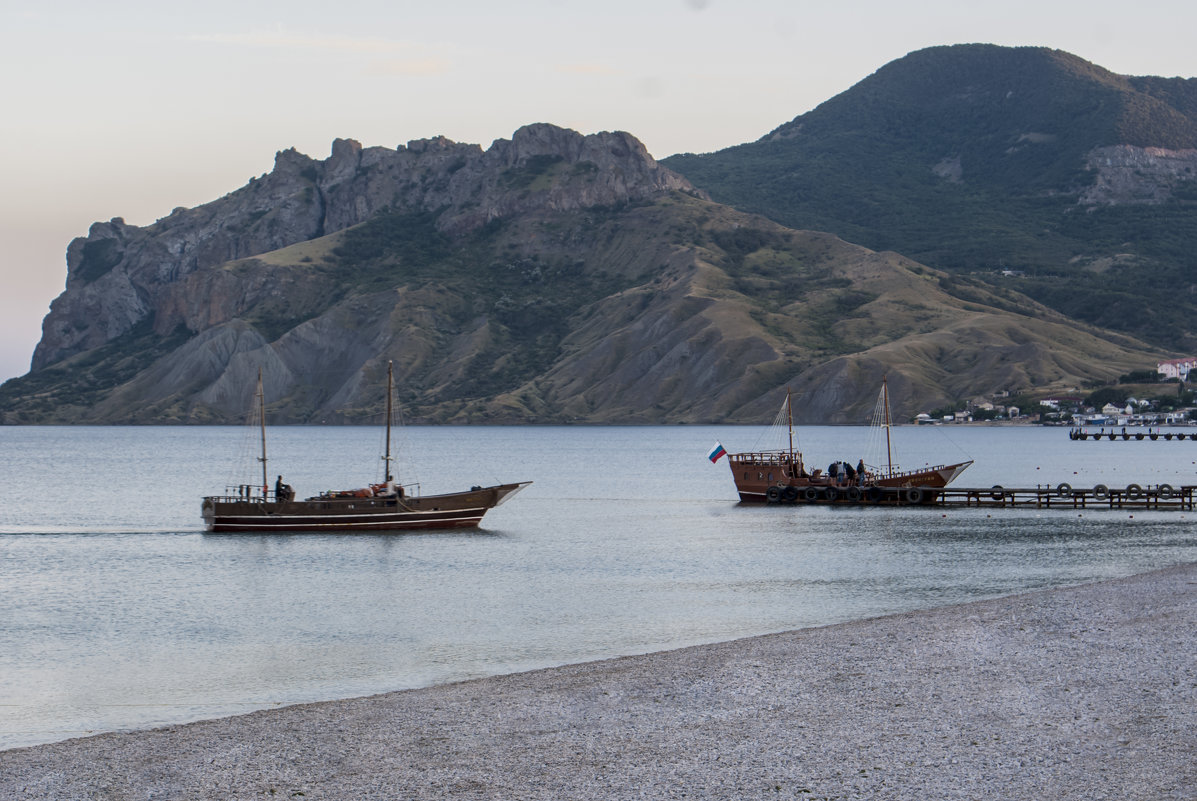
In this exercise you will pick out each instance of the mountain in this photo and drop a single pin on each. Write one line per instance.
(553, 277)
(1079, 184)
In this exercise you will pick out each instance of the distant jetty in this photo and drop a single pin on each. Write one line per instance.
(1151, 434)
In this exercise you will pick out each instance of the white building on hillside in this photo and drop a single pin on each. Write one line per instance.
(1177, 368)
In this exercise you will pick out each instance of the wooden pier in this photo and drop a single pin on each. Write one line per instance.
(1061, 496)
(1065, 496)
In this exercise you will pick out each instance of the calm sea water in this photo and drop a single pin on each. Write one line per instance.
(117, 611)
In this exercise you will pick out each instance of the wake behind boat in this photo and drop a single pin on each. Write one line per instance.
(386, 506)
(781, 475)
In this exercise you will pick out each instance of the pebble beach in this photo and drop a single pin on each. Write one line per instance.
(1085, 692)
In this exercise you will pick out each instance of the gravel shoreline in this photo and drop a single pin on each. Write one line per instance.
(1080, 693)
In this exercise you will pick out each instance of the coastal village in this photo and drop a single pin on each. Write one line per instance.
(1161, 397)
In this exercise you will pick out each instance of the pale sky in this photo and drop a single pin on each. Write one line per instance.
(129, 109)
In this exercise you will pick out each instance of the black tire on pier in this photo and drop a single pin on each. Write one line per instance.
(1164, 492)
(789, 494)
(812, 494)
(997, 494)
(1101, 492)
(773, 494)
(913, 495)
(1133, 491)
(831, 494)
(875, 494)
(853, 494)
(1064, 490)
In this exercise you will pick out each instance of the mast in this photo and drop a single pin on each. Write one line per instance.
(889, 459)
(390, 393)
(262, 423)
(790, 416)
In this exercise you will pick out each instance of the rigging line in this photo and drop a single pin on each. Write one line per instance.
(244, 461)
(880, 450)
(777, 432)
(955, 444)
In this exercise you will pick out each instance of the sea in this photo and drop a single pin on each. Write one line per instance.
(119, 612)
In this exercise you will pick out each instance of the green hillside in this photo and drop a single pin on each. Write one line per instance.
(975, 158)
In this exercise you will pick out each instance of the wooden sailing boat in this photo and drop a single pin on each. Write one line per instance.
(387, 506)
(777, 476)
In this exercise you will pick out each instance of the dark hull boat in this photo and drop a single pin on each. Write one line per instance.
(358, 513)
(387, 506)
(781, 476)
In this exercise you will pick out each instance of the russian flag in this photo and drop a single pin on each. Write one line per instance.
(716, 453)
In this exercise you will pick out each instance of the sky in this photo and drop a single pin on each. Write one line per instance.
(130, 109)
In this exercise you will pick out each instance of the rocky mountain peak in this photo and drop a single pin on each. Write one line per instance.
(120, 276)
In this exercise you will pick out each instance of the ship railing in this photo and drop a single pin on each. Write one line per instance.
(251, 493)
(243, 493)
(764, 457)
(895, 472)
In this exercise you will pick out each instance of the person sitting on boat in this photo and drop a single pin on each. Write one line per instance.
(283, 492)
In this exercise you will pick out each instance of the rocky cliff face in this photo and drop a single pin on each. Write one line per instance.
(554, 277)
(121, 276)
(1129, 174)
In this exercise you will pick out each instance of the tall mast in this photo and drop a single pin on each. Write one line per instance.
(790, 415)
(262, 423)
(390, 393)
(889, 459)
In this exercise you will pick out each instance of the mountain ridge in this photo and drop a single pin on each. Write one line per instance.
(975, 159)
(559, 278)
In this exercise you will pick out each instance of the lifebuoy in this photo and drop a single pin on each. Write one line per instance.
(997, 493)
(812, 494)
(854, 494)
(789, 494)
(1064, 489)
(1101, 492)
(914, 495)
(875, 494)
(773, 494)
(1164, 492)
(1133, 492)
